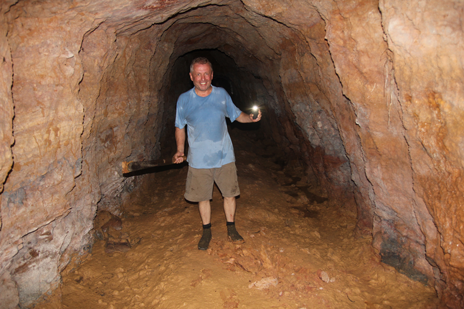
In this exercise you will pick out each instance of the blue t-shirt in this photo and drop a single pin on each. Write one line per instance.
(210, 145)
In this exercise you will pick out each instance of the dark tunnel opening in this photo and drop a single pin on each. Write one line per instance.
(239, 82)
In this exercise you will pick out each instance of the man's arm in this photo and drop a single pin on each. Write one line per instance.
(244, 118)
(180, 141)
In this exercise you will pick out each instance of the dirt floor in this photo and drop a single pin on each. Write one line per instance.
(299, 249)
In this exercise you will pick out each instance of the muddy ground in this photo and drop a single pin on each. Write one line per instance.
(299, 251)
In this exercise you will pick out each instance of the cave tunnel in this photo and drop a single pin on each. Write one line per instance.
(364, 96)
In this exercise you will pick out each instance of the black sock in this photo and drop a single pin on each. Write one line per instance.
(232, 232)
(205, 238)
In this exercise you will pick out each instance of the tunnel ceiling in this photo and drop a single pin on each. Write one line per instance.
(365, 95)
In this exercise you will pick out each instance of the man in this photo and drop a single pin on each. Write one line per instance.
(211, 155)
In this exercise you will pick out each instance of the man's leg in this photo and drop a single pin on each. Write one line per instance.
(205, 213)
(226, 179)
(199, 187)
(229, 210)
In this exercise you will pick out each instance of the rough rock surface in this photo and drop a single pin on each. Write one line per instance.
(6, 102)
(366, 93)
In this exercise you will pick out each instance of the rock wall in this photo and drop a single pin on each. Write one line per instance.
(426, 41)
(7, 286)
(365, 93)
(78, 104)
(36, 204)
(6, 103)
(364, 63)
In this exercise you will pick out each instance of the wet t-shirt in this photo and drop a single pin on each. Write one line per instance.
(210, 145)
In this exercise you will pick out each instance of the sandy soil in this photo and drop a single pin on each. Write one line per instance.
(299, 250)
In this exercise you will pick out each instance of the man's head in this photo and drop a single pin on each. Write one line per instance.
(201, 74)
(200, 60)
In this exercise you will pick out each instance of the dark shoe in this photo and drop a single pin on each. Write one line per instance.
(233, 234)
(205, 239)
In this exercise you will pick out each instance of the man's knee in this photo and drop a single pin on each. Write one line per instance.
(227, 180)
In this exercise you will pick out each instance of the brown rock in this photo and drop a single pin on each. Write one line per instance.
(106, 220)
(112, 247)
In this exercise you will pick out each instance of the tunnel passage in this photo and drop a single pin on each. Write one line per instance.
(355, 91)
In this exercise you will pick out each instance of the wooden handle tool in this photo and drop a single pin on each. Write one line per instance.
(133, 166)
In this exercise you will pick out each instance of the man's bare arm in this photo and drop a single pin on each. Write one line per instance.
(180, 142)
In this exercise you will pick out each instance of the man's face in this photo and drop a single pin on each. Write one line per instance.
(201, 77)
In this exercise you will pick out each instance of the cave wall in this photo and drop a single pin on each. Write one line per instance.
(404, 149)
(6, 104)
(36, 205)
(426, 40)
(371, 88)
(7, 285)
(78, 103)
(366, 93)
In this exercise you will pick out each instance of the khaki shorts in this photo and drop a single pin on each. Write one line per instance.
(200, 182)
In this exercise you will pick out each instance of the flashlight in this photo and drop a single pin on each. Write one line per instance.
(255, 111)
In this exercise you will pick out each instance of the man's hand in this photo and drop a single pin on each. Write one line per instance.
(244, 118)
(178, 157)
(257, 118)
